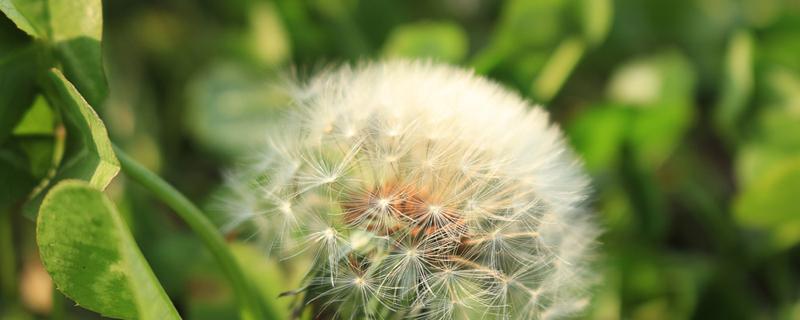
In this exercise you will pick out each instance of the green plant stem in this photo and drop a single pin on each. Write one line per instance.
(252, 305)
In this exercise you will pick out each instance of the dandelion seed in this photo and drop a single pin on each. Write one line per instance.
(422, 191)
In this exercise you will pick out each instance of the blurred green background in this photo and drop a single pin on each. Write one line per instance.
(687, 114)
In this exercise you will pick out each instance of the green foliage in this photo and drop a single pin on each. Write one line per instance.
(685, 113)
(89, 155)
(73, 28)
(87, 248)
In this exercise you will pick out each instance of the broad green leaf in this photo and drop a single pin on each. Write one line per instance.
(27, 15)
(77, 27)
(17, 88)
(92, 257)
(73, 28)
(442, 41)
(770, 203)
(88, 155)
(230, 110)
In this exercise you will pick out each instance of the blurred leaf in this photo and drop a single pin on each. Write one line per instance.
(526, 23)
(524, 26)
(17, 87)
(443, 41)
(737, 84)
(268, 38)
(88, 155)
(87, 248)
(660, 89)
(74, 28)
(777, 137)
(558, 68)
(230, 111)
(769, 203)
(664, 286)
(269, 278)
(598, 134)
(596, 19)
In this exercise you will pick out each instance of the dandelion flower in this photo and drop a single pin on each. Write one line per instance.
(423, 191)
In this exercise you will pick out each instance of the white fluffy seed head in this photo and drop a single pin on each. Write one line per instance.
(425, 190)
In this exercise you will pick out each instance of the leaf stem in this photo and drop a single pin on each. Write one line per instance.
(249, 299)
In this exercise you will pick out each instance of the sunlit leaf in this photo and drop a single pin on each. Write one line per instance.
(558, 68)
(88, 155)
(87, 248)
(27, 15)
(74, 30)
(38, 120)
(596, 19)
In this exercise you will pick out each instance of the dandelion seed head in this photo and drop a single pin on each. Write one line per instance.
(425, 190)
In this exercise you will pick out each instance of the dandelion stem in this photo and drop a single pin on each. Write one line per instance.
(248, 298)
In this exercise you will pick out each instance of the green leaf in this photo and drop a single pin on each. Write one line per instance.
(38, 120)
(74, 30)
(77, 27)
(25, 15)
(92, 256)
(88, 155)
(558, 68)
(596, 19)
(770, 203)
(17, 88)
(442, 41)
